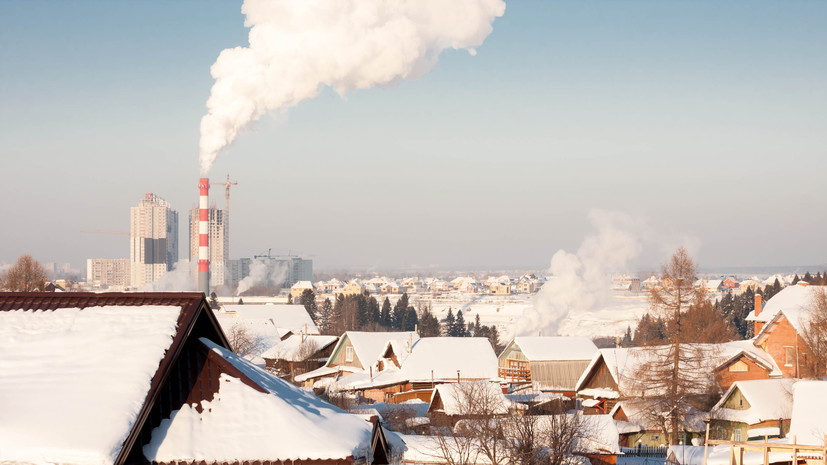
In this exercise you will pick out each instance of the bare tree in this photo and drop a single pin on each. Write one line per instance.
(668, 377)
(25, 275)
(479, 406)
(814, 335)
(546, 439)
(241, 340)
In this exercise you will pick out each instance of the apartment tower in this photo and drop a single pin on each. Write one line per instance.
(153, 240)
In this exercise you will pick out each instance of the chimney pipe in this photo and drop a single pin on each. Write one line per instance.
(758, 306)
(204, 236)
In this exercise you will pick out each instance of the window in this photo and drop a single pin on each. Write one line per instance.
(738, 366)
(789, 354)
(348, 354)
(737, 433)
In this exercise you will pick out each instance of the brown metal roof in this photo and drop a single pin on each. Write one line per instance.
(195, 315)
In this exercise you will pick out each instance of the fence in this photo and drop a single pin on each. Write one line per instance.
(644, 451)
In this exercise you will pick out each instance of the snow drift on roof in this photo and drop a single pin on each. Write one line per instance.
(537, 348)
(75, 380)
(790, 298)
(443, 357)
(479, 397)
(297, 347)
(809, 411)
(241, 423)
(769, 399)
(292, 317)
(368, 346)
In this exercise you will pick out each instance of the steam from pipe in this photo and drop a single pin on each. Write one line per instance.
(298, 47)
(582, 281)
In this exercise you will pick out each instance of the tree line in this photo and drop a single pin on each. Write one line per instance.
(362, 312)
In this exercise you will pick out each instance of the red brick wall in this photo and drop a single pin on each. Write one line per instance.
(754, 371)
(783, 335)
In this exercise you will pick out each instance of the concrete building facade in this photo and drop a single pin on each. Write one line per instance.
(109, 272)
(153, 240)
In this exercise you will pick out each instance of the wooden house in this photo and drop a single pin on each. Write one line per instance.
(636, 427)
(549, 364)
(612, 374)
(451, 403)
(752, 410)
(139, 378)
(298, 354)
(357, 352)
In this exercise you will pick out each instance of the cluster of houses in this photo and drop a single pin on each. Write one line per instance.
(492, 285)
(127, 378)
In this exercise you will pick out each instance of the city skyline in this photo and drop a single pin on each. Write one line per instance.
(700, 123)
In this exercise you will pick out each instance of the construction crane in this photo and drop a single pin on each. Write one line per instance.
(226, 185)
(101, 231)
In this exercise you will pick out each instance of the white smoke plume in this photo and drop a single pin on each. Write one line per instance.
(299, 47)
(179, 279)
(262, 273)
(582, 281)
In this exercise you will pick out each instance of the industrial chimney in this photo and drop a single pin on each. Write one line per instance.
(204, 236)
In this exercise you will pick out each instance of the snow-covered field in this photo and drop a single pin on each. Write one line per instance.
(505, 311)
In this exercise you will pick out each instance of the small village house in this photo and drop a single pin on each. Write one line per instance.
(753, 410)
(549, 364)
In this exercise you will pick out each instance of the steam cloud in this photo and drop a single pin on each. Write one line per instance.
(178, 279)
(582, 281)
(262, 273)
(298, 47)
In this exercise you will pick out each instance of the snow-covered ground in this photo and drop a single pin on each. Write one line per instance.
(505, 311)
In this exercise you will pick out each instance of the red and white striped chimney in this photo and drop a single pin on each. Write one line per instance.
(204, 236)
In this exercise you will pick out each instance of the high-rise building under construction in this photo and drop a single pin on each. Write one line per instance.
(153, 240)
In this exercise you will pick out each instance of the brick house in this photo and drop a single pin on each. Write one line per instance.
(779, 325)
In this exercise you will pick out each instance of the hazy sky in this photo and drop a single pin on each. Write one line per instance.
(704, 120)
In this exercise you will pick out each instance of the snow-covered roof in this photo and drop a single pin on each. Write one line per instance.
(293, 317)
(809, 411)
(284, 423)
(74, 380)
(262, 333)
(297, 346)
(719, 455)
(769, 399)
(443, 357)
(302, 285)
(793, 298)
(368, 346)
(796, 308)
(537, 348)
(601, 435)
(467, 398)
(624, 363)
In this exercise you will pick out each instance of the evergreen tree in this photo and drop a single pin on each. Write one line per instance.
(449, 323)
(399, 312)
(796, 279)
(728, 306)
(428, 323)
(477, 326)
(627, 338)
(362, 311)
(214, 301)
(411, 320)
(459, 325)
(240, 302)
(494, 339)
(289, 299)
(309, 302)
(385, 313)
(326, 316)
(776, 287)
(373, 310)
(808, 278)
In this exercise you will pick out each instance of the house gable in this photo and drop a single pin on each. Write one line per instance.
(736, 400)
(598, 377)
(339, 357)
(781, 341)
(740, 368)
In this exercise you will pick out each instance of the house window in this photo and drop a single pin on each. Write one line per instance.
(737, 434)
(738, 367)
(348, 354)
(789, 356)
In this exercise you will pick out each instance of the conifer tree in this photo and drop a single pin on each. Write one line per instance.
(385, 313)
(796, 279)
(449, 323)
(399, 312)
(808, 278)
(494, 339)
(459, 325)
(428, 323)
(411, 320)
(477, 326)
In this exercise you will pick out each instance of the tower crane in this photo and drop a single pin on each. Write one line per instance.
(226, 185)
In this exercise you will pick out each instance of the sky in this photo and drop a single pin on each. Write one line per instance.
(705, 122)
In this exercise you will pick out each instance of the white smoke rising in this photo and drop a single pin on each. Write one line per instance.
(582, 281)
(179, 279)
(298, 47)
(262, 273)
